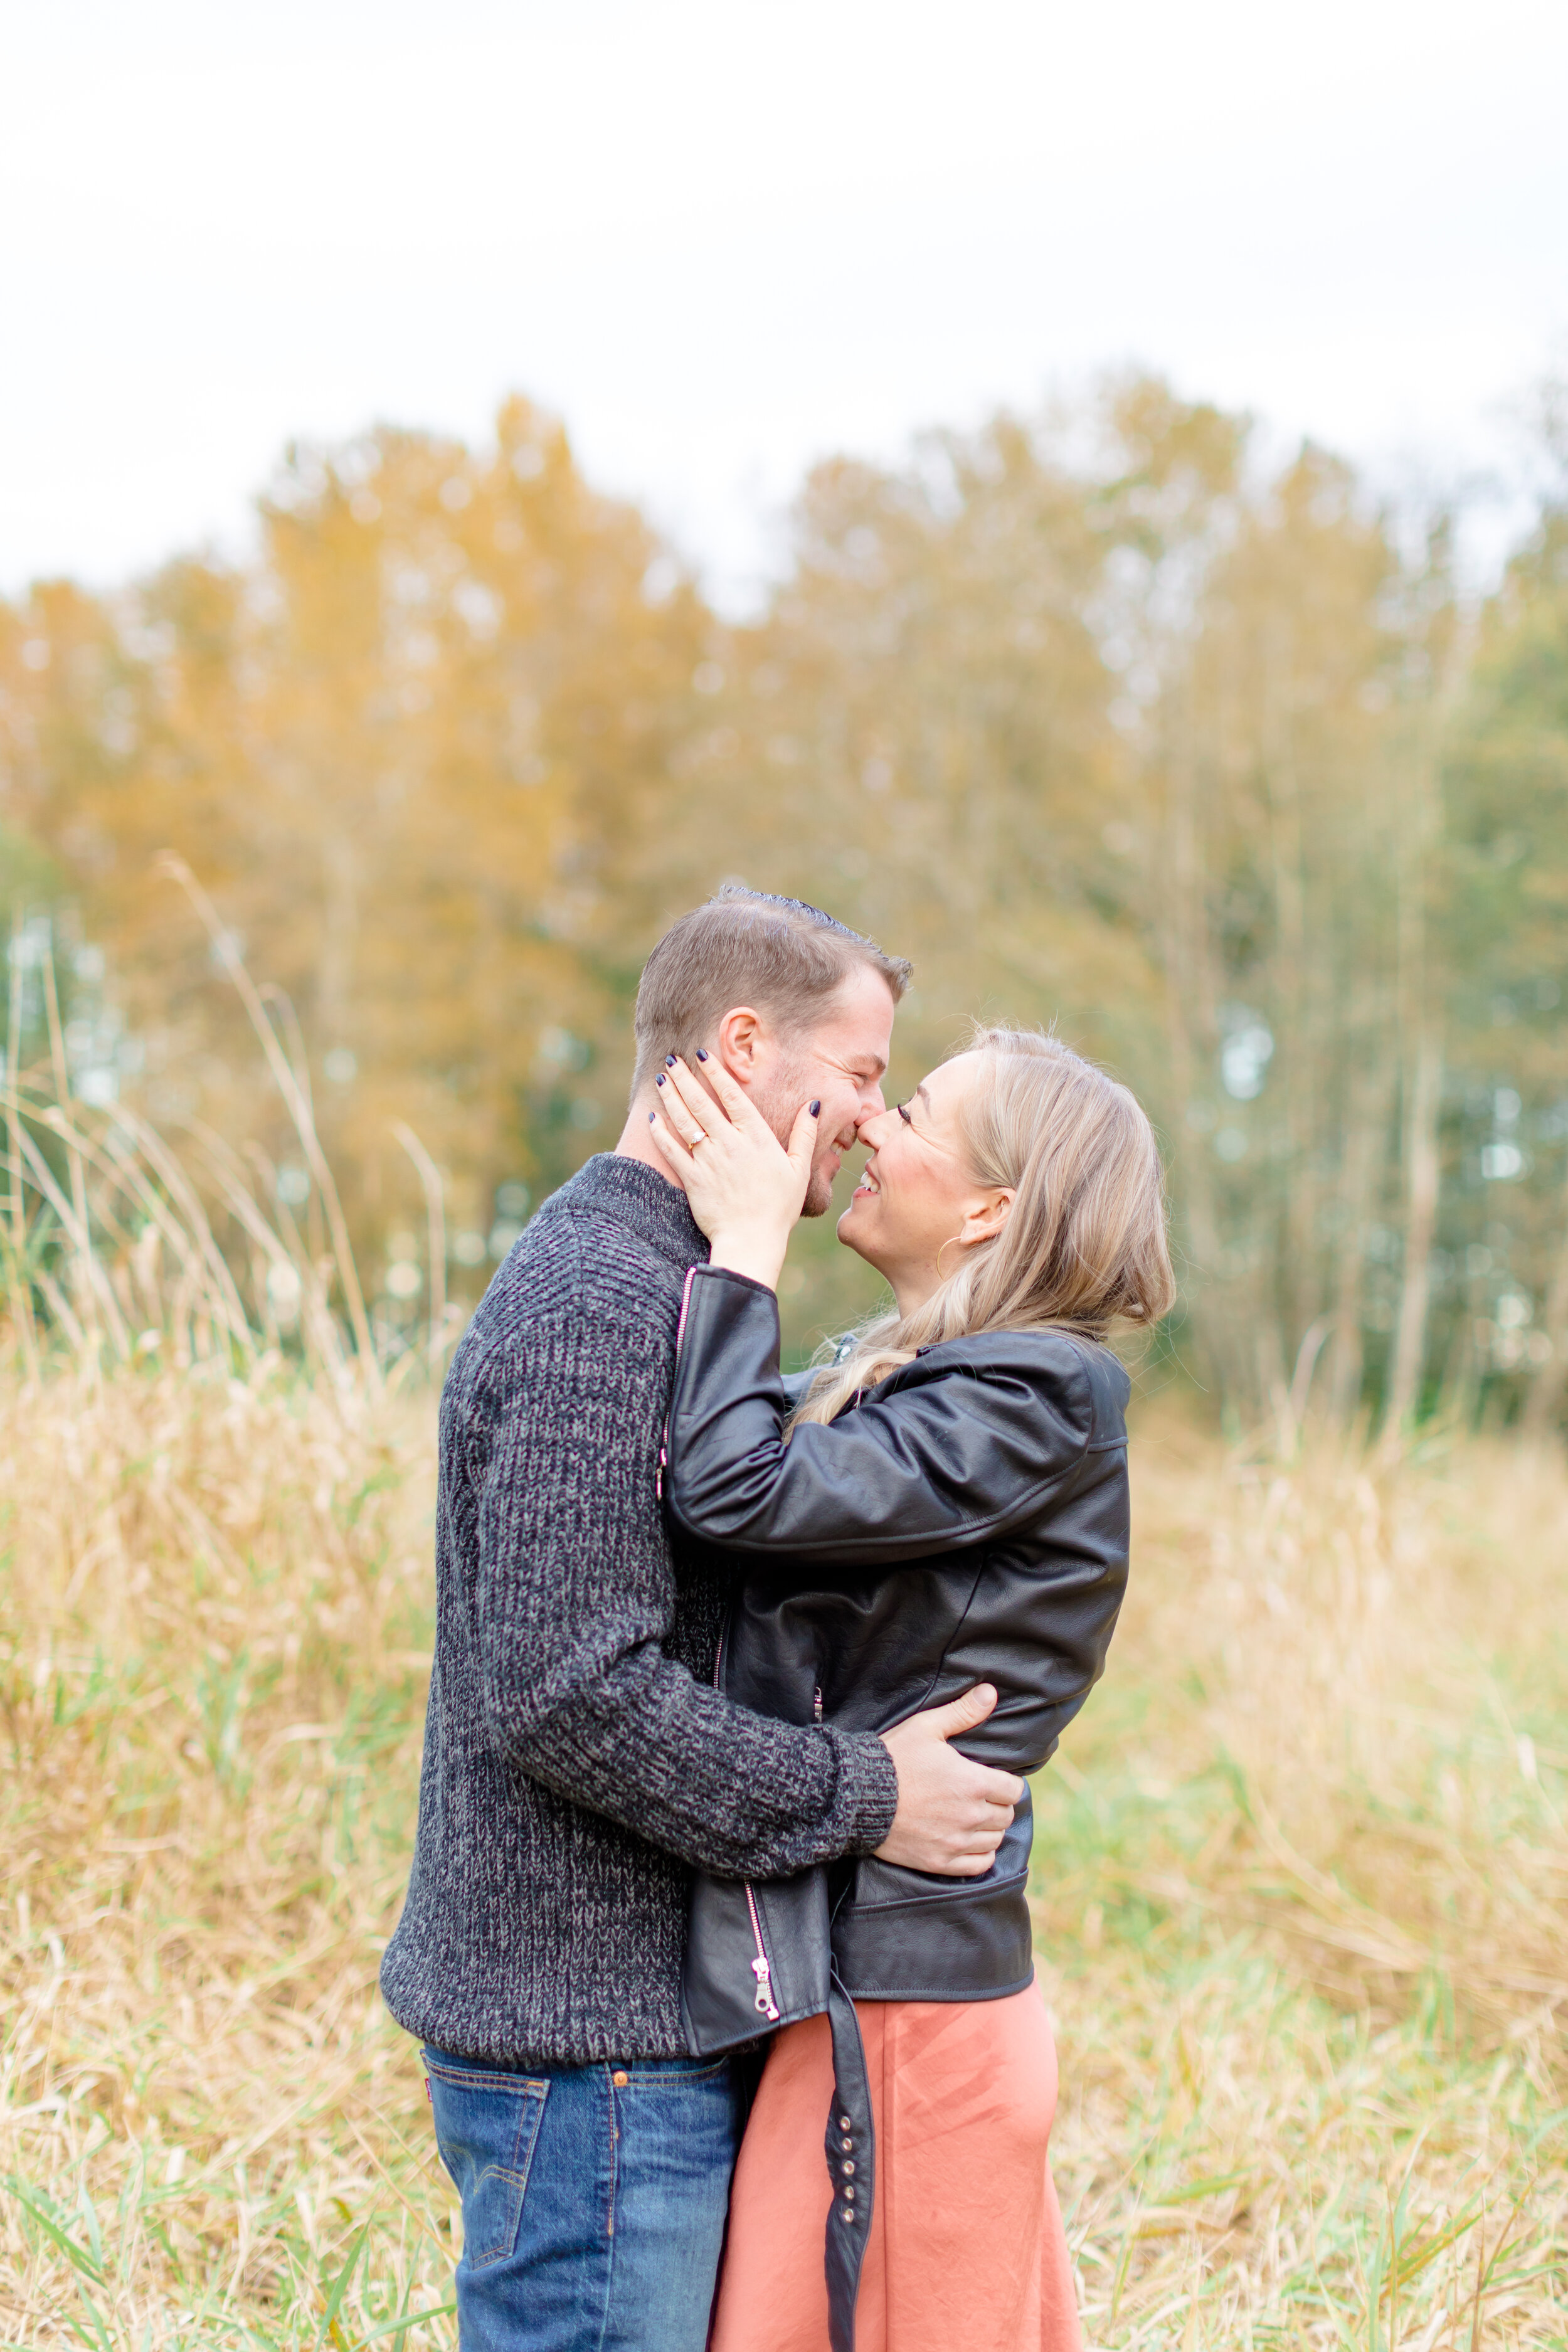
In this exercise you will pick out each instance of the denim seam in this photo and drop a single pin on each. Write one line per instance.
(610, 2230)
(489, 2078)
(636, 2082)
(532, 2095)
(483, 2256)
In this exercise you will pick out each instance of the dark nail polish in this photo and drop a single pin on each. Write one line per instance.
(702, 1053)
(669, 1060)
(660, 1080)
(816, 1110)
(650, 1118)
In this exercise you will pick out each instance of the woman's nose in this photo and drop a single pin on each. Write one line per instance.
(867, 1121)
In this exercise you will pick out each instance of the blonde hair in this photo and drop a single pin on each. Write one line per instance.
(1084, 1243)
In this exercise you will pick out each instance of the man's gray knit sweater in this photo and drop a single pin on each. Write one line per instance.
(578, 1759)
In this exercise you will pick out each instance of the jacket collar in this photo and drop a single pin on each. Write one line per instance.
(637, 1196)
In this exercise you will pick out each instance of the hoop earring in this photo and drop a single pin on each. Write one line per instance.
(947, 1245)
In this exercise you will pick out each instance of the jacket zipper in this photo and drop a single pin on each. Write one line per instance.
(664, 1441)
(761, 1966)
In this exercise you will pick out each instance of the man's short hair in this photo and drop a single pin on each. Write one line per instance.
(779, 956)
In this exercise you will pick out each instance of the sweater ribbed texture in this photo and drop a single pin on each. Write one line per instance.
(577, 1761)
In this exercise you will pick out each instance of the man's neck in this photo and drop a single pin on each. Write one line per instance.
(636, 1143)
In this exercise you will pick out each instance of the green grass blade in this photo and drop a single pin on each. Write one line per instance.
(401, 2326)
(339, 2286)
(76, 2255)
(102, 2333)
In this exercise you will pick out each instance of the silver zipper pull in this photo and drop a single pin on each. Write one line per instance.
(764, 2003)
(760, 1967)
(817, 1704)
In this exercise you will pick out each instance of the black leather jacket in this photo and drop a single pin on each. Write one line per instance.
(967, 1522)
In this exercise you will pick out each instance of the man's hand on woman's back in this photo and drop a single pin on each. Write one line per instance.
(952, 1813)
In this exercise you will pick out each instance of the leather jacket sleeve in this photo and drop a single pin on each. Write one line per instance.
(955, 1459)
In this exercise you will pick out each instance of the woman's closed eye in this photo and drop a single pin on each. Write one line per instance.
(903, 1111)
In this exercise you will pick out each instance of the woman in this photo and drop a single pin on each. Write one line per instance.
(947, 1504)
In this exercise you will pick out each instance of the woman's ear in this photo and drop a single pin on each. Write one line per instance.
(983, 1224)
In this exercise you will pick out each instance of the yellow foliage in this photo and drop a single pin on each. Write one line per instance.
(1097, 718)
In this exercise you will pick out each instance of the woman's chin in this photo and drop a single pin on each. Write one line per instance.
(853, 1231)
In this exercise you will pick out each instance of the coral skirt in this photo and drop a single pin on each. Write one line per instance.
(966, 2244)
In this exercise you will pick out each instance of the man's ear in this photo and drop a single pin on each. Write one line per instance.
(982, 1223)
(741, 1041)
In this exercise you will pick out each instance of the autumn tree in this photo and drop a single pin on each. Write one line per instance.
(400, 750)
(1098, 716)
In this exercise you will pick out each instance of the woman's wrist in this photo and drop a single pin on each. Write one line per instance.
(759, 1256)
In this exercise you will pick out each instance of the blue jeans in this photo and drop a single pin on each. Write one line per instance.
(593, 2200)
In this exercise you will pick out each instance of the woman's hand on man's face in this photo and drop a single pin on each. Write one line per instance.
(745, 1188)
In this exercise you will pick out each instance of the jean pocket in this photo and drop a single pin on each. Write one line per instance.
(485, 2127)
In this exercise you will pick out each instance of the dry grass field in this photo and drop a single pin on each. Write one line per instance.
(1302, 1876)
(1303, 1883)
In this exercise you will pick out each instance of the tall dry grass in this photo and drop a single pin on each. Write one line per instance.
(1301, 1869)
(1302, 1884)
(214, 1634)
(215, 1623)
(1302, 1900)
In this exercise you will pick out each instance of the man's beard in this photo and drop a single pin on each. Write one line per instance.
(818, 1194)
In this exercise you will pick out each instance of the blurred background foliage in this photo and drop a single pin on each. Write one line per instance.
(1099, 716)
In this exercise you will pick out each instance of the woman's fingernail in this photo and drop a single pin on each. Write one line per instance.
(702, 1053)
(650, 1118)
(669, 1060)
(660, 1080)
(815, 1109)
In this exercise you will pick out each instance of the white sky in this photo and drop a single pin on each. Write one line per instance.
(725, 237)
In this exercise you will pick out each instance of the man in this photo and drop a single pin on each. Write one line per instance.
(578, 1762)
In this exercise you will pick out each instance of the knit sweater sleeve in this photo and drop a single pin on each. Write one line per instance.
(574, 1594)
